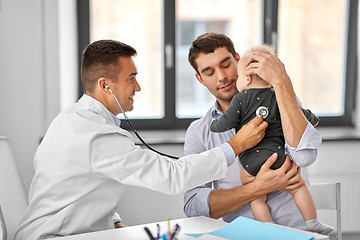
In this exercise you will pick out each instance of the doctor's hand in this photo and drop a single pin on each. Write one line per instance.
(287, 177)
(119, 225)
(249, 135)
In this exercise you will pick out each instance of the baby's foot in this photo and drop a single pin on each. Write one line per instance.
(314, 225)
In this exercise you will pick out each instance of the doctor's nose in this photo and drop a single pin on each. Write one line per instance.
(137, 87)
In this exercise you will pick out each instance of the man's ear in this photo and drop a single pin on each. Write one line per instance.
(101, 84)
(198, 77)
(237, 57)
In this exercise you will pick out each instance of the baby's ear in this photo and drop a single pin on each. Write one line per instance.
(248, 79)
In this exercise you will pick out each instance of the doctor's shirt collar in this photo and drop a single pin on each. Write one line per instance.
(117, 121)
(99, 108)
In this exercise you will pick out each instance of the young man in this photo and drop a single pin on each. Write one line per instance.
(214, 59)
(85, 160)
(256, 96)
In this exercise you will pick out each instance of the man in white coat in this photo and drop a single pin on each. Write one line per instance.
(85, 160)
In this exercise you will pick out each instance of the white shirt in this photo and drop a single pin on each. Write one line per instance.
(84, 163)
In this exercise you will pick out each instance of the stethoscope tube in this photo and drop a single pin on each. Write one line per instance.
(134, 130)
(148, 146)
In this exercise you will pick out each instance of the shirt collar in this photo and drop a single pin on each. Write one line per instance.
(117, 121)
(215, 111)
(99, 108)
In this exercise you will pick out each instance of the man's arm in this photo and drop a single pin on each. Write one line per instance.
(223, 202)
(272, 70)
(196, 200)
(306, 151)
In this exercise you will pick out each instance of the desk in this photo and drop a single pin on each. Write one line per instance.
(315, 235)
(188, 225)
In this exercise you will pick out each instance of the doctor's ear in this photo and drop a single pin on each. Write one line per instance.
(102, 84)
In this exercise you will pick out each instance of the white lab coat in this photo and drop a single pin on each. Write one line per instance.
(83, 165)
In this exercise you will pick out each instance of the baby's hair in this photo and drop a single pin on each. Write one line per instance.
(261, 48)
(265, 48)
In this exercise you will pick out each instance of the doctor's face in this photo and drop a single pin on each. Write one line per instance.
(218, 74)
(126, 84)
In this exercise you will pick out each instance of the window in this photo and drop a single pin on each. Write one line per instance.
(141, 29)
(240, 20)
(192, 99)
(315, 39)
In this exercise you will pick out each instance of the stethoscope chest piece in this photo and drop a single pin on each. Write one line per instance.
(262, 112)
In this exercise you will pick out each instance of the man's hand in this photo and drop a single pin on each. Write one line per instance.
(268, 67)
(249, 135)
(272, 70)
(287, 177)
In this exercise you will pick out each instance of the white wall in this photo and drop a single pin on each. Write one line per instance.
(36, 42)
(29, 96)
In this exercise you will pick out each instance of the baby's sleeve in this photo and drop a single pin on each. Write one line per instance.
(229, 119)
(311, 117)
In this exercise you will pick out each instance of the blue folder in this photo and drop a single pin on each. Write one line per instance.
(249, 229)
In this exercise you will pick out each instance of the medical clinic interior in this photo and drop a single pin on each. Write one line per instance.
(41, 46)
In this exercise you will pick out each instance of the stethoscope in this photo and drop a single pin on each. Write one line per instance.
(134, 130)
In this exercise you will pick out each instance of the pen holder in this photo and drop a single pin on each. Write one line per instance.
(170, 235)
(167, 237)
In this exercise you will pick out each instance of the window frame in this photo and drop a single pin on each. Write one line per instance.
(270, 22)
(270, 16)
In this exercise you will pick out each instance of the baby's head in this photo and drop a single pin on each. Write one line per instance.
(251, 81)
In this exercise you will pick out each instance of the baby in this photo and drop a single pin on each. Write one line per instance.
(256, 97)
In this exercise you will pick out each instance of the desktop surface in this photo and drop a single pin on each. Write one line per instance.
(193, 225)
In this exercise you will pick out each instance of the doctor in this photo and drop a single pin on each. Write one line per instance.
(85, 160)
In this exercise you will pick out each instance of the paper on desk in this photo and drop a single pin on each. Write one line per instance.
(210, 237)
(249, 229)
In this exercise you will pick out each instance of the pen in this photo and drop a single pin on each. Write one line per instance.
(169, 228)
(149, 233)
(175, 232)
(158, 231)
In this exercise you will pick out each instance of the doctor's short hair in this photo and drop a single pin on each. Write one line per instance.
(208, 43)
(100, 59)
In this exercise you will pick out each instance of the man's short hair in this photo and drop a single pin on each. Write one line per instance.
(208, 43)
(100, 59)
